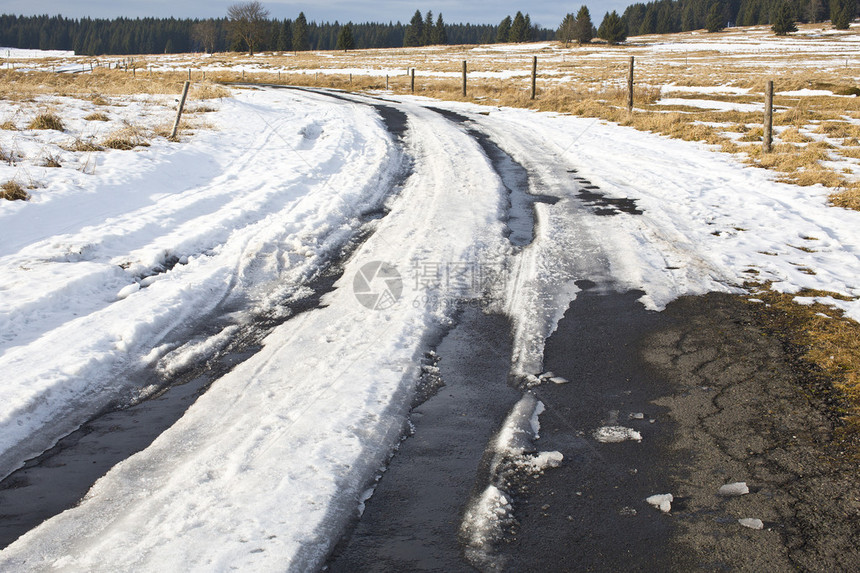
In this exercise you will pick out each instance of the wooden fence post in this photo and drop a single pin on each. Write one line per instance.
(412, 74)
(534, 77)
(767, 140)
(464, 78)
(179, 110)
(386, 82)
(630, 86)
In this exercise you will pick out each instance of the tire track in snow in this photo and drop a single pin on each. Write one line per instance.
(57, 479)
(340, 364)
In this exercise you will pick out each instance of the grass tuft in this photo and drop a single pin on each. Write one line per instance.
(97, 116)
(126, 138)
(208, 90)
(12, 191)
(847, 197)
(47, 120)
(82, 145)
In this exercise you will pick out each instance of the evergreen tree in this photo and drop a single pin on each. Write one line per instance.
(527, 36)
(649, 21)
(584, 27)
(783, 19)
(301, 39)
(567, 30)
(518, 29)
(345, 41)
(688, 18)
(440, 37)
(665, 18)
(716, 20)
(504, 32)
(814, 9)
(841, 13)
(415, 31)
(285, 37)
(612, 29)
(427, 30)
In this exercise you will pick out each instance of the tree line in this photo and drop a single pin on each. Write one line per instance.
(96, 36)
(668, 16)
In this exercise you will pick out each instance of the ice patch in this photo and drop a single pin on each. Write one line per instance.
(488, 514)
(194, 351)
(616, 434)
(484, 523)
(534, 421)
(751, 522)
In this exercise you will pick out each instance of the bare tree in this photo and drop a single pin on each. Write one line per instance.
(205, 33)
(248, 23)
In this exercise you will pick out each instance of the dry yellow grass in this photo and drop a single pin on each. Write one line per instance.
(46, 120)
(13, 191)
(82, 146)
(126, 138)
(97, 116)
(793, 135)
(839, 129)
(24, 86)
(847, 197)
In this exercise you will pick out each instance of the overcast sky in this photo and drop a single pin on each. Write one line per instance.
(547, 13)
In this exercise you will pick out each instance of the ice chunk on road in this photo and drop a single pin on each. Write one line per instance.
(734, 489)
(483, 523)
(559, 380)
(544, 460)
(662, 501)
(616, 434)
(751, 522)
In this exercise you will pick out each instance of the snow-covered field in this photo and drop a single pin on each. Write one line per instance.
(120, 256)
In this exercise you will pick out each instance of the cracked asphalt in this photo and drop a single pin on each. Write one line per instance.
(722, 402)
(740, 414)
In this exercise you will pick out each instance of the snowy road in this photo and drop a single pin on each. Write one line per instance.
(110, 291)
